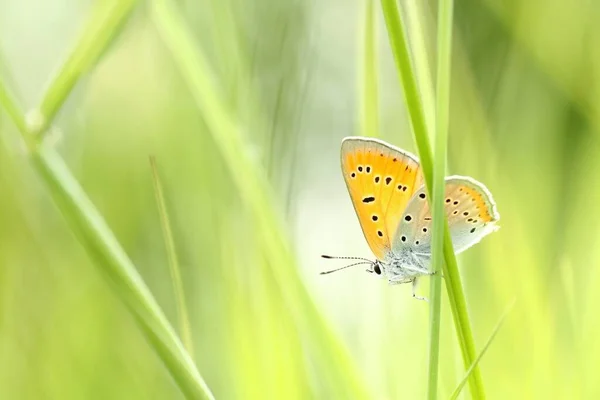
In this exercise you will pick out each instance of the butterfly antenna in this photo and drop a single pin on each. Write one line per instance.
(346, 258)
(347, 266)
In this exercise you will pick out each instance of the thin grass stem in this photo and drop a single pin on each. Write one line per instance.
(101, 29)
(369, 123)
(400, 49)
(182, 312)
(444, 43)
(463, 382)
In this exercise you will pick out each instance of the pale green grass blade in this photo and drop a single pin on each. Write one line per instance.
(184, 320)
(400, 49)
(104, 25)
(463, 382)
(369, 122)
(96, 237)
(333, 364)
(418, 28)
(13, 111)
(93, 233)
(444, 52)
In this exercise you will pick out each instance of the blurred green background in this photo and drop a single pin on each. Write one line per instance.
(525, 120)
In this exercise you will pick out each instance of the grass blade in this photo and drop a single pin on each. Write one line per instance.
(184, 321)
(369, 83)
(441, 138)
(333, 364)
(13, 111)
(93, 233)
(104, 25)
(110, 258)
(463, 382)
(416, 21)
(400, 50)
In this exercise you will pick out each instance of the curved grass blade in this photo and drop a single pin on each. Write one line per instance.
(463, 382)
(105, 251)
(400, 49)
(184, 321)
(96, 237)
(102, 27)
(332, 361)
(13, 111)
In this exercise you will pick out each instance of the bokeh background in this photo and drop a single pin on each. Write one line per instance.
(525, 114)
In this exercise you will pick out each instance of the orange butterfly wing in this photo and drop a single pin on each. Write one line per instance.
(381, 180)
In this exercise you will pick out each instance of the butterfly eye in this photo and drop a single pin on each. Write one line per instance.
(377, 269)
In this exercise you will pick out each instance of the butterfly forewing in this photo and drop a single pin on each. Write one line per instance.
(470, 210)
(381, 179)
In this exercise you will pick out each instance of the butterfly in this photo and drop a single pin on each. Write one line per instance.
(388, 192)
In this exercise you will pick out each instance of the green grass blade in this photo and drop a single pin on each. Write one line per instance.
(369, 83)
(400, 50)
(333, 364)
(417, 25)
(13, 111)
(110, 258)
(93, 233)
(441, 138)
(463, 382)
(408, 79)
(104, 25)
(184, 321)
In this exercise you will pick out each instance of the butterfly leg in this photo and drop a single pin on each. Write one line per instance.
(398, 279)
(432, 273)
(414, 290)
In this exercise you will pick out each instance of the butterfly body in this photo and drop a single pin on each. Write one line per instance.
(403, 266)
(387, 189)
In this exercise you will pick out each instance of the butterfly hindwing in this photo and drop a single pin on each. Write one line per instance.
(470, 210)
(381, 179)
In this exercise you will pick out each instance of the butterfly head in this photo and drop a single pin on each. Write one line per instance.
(377, 268)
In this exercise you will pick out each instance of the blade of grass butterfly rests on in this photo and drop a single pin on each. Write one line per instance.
(463, 382)
(445, 8)
(400, 49)
(185, 328)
